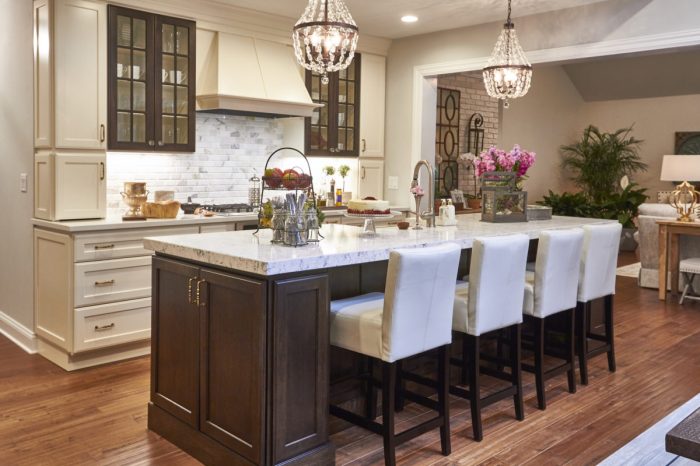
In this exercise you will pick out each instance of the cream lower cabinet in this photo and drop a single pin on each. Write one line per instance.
(92, 294)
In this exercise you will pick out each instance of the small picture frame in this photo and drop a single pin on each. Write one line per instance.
(457, 197)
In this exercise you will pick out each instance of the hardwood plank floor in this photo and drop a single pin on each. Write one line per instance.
(98, 416)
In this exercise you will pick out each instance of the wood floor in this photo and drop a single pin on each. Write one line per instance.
(98, 416)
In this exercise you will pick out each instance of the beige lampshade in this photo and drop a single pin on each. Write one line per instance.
(680, 168)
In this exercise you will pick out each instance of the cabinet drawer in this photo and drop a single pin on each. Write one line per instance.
(112, 324)
(114, 280)
(113, 245)
(218, 228)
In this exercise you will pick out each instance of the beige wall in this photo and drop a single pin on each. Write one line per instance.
(583, 25)
(553, 113)
(655, 120)
(547, 117)
(16, 156)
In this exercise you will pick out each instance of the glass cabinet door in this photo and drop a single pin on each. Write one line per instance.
(151, 84)
(334, 128)
(175, 65)
(130, 86)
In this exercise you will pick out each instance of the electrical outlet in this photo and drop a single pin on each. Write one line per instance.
(23, 182)
(393, 182)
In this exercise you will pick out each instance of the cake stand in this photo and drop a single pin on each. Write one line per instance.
(369, 230)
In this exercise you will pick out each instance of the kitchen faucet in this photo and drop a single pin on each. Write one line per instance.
(428, 215)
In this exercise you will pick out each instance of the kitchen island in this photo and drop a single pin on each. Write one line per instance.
(241, 364)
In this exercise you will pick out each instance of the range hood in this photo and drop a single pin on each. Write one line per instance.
(246, 76)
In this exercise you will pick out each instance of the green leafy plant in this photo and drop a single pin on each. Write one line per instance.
(343, 170)
(599, 160)
(568, 204)
(329, 170)
(624, 206)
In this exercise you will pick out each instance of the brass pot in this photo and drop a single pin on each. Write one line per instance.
(135, 188)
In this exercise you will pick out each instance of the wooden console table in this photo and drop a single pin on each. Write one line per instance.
(669, 238)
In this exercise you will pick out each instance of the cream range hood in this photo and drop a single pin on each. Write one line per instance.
(247, 76)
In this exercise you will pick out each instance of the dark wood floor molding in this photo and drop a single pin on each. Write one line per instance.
(98, 416)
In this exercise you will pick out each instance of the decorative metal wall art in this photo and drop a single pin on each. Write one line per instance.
(447, 140)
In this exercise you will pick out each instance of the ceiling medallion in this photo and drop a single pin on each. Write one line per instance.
(507, 74)
(325, 37)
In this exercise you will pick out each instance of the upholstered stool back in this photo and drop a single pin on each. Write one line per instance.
(496, 285)
(601, 244)
(418, 300)
(556, 271)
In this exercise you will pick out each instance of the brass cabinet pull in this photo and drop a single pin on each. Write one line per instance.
(161, 143)
(151, 142)
(102, 133)
(104, 327)
(105, 283)
(102, 171)
(199, 303)
(99, 247)
(189, 289)
(364, 145)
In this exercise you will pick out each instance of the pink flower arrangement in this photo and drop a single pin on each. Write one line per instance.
(494, 159)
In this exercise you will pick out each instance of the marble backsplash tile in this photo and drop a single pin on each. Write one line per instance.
(229, 150)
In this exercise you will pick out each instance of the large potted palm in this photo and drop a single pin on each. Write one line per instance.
(600, 164)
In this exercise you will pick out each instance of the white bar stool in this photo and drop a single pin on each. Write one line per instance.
(551, 289)
(601, 246)
(492, 300)
(412, 317)
(689, 268)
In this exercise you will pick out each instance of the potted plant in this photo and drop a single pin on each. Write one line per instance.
(343, 171)
(597, 163)
(600, 160)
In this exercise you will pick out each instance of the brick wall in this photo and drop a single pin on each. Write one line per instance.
(474, 99)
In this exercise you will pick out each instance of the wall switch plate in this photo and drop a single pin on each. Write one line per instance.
(393, 182)
(23, 182)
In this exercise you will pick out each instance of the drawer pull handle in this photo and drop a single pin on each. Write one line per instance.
(104, 327)
(99, 247)
(102, 133)
(105, 283)
(189, 290)
(199, 303)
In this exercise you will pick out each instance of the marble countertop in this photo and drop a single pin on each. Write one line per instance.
(116, 222)
(343, 245)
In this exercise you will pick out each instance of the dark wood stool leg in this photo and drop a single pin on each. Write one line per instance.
(582, 310)
(464, 373)
(610, 332)
(472, 355)
(400, 387)
(516, 370)
(539, 363)
(444, 398)
(370, 392)
(571, 353)
(499, 351)
(388, 402)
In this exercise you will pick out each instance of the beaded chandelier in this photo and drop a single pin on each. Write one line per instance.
(325, 37)
(507, 74)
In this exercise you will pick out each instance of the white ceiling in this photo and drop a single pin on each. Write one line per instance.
(382, 18)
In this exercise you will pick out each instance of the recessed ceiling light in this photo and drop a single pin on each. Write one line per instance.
(409, 19)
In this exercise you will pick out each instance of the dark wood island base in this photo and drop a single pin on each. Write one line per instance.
(239, 371)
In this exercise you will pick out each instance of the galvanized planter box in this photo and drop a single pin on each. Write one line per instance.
(501, 202)
(538, 212)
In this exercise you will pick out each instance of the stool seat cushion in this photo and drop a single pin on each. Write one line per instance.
(690, 265)
(356, 324)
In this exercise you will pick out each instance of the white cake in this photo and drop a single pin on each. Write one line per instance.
(370, 206)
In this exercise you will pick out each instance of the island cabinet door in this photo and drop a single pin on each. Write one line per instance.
(300, 371)
(232, 397)
(175, 340)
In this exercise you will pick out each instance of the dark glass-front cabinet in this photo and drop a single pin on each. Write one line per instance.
(334, 129)
(151, 82)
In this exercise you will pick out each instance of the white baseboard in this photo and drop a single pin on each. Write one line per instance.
(18, 333)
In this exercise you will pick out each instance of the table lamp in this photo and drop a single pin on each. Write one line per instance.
(685, 197)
